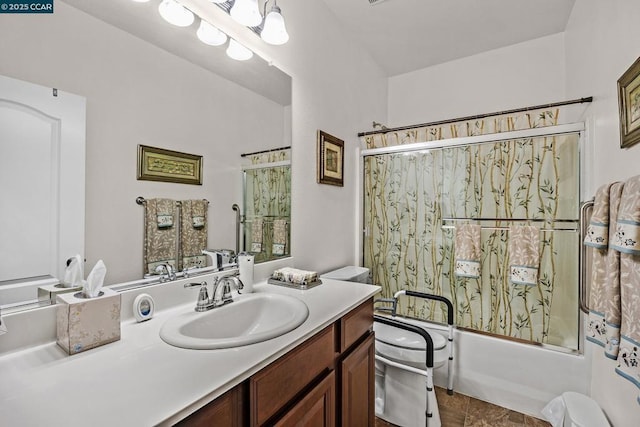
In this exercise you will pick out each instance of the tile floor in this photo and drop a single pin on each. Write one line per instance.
(464, 411)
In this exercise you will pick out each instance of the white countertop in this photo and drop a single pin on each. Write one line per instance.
(142, 381)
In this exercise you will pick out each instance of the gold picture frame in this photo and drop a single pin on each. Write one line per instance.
(330, 157)
(158, 164)
(629, 105)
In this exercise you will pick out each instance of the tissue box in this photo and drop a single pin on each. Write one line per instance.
(86, 323)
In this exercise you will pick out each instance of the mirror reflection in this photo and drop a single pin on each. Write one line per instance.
(145, 83)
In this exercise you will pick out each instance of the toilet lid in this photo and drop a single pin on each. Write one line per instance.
(406, 339)
(583, 411)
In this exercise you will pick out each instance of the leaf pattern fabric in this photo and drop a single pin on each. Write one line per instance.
(193, 233)
(524, 254)
(468, 250)
(604, 301)
(160, 240)
(408, 197)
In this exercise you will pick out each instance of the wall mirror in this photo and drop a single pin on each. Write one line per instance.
(228, 108)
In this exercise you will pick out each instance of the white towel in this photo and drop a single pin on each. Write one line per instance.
(604, 301)
(524, 254)
(467, 250)
(628, 222)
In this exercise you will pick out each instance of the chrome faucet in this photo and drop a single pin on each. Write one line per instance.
(166, 268)
(222, 288)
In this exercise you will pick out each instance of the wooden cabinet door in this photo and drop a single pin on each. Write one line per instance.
(227, 410)
(316, 409)
(358, 385)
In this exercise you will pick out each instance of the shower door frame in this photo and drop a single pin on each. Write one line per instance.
(548, 131)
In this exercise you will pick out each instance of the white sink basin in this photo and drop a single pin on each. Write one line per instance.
(249, 319)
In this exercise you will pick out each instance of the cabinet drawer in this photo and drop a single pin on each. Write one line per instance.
(356, 324)
(274, 386)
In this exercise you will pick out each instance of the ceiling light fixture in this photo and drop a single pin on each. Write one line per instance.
(246, 12)
(274, 31)
(210, 34)
(175, 13)
(238, 52)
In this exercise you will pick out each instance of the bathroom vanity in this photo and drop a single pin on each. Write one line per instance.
(322, 371)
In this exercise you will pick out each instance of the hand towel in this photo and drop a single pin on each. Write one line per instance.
(279, 236)
(598, 230)
(524, 254)
(293, 275)
(256, 234)
(627, 222)
(193, 233)
(159, 241)
(604, 301)
(467, 250)
(627, 236)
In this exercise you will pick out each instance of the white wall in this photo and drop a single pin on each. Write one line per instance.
(336, 88)
(139, 94)
(601, 43)
(522, 75)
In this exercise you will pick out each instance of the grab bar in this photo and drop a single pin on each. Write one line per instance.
(449, 305)
(236, 208)
(582, 272)
(429, 353)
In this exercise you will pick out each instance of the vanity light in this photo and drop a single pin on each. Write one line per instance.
(175, 13)
(210, 35)
(238, 52)
(274, 30)
(246, 12)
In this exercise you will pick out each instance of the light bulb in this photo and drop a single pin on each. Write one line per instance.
(210, 35)
(237, 51)
(274, 30)
(246, 12)
(141, 1)
(175, 13)
(218, 1)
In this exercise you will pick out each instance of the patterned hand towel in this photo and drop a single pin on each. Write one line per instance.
(279, 236)
(193, 233)
(625, 241)
(468, 250)
(524, 254)
(604, 300)
(598, 230)
(160, 239)
(627, 236)
(257, 227)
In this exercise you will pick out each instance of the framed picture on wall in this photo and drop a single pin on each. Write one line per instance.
(629, 104)
(330, 159)
(158, 164)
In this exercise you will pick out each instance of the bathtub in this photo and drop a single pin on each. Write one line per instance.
(517, 376)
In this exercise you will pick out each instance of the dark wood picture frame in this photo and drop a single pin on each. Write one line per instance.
(629, 105)
(158, 164)
(330, 157)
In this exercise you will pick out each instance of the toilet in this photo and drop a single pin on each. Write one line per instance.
(573, 409)
(582, 411)
(400, 394)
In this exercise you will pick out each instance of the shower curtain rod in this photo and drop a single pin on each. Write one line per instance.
(479, 116)
(265, 151)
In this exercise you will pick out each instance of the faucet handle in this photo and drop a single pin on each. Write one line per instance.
(203, 295)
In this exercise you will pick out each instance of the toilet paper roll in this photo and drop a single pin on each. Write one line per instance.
(245, 266)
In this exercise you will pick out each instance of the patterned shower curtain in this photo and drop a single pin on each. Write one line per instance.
(267, 198)
(413, 201)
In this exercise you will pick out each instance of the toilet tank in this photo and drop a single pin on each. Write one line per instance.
(350, 273)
